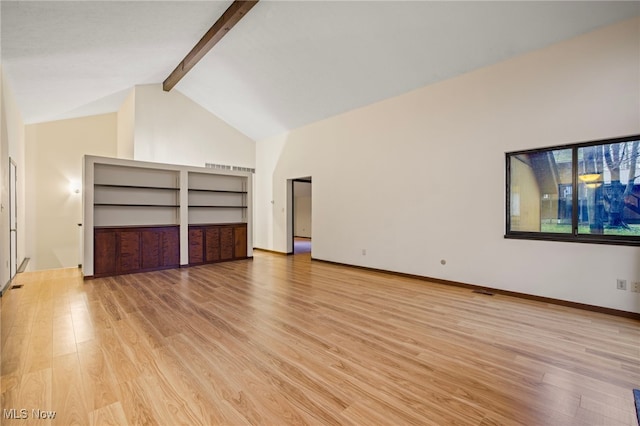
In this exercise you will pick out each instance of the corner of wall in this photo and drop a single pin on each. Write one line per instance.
(126, 126)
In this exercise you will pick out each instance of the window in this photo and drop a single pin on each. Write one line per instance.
(587, 192)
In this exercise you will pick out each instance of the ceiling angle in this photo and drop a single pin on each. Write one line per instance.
(229, 18)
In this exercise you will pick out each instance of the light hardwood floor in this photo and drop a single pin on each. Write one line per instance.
(286, 340)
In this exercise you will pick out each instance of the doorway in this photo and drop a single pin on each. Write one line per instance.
(301, 215)
(13, 219)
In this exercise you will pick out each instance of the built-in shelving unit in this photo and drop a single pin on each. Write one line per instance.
(141, 216)
(216, 199)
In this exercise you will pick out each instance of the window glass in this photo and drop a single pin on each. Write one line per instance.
(540, 191)
(588, 192)
(608, 193)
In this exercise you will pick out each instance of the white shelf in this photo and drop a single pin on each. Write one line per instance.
(216, 182)
(217, 199)
(106, 215)
(135, 195)
(131, 176)
(213, 215)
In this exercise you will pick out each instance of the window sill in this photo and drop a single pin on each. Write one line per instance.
(570, 238)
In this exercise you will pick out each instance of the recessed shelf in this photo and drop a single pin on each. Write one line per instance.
(134, 205)
(129, 227)
(198, 225)
(108, 185)
(220, 191)
(221, 207)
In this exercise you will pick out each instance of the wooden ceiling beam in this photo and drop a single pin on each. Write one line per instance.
(229, 18)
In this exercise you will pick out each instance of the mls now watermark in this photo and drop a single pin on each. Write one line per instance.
(24, 414)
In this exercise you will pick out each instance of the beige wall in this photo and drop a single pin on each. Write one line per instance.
(54, 160)
(126, 126)
(421, 177)
(171, 128)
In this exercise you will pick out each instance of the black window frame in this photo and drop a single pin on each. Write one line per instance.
(574, 236)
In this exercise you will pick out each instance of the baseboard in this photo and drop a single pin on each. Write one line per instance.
(560, 302)
(23, 265)
(4, 288)
(21, 269)
(273, 251)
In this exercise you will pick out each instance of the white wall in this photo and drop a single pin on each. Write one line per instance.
(55, 152)
(420, 177)
(270, 221)
(171, 128)
(12, 145)
(126, 126)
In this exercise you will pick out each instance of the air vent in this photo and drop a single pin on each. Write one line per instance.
(228, 167)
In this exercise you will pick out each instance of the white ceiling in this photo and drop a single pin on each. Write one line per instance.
(286, 64)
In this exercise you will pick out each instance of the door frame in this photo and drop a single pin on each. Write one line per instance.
(291, 209)
(13, 219)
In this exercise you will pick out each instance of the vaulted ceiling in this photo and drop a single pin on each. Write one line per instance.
(284, 65)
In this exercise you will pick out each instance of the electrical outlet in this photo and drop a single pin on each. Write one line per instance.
(621, 284)
(364, 252)
(635, 287)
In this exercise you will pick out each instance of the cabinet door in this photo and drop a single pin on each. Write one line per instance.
(129, 253)
(196, 245)
(104, 252)
(240, 240)
(212, 239)
(226, 242)
(171, 247)
(151, 250)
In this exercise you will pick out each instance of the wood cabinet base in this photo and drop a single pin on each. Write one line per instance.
(217, 243)
(123, 250)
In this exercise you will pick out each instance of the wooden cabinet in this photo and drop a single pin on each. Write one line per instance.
(151, 256)
(128, 254)
(240, 241)
(226, 243)
(170, 245)
(105, 252)
(212, 249)
(125, 250)
(135, 249)
(196, 245)
(217, 243)
(160, 248)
